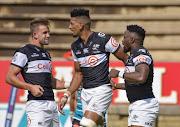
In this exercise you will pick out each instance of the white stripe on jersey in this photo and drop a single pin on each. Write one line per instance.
(19, 59)
(111, 46)
(39, 66)
(93, 60)
(129, 69)
(142, 59)
(74, 56)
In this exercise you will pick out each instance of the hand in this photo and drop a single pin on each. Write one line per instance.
(36, 90)
(61, 104)
(112, 85)
(113, 73)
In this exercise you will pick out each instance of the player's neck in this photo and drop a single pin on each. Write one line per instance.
(34, 42)
(133, 48)
(85, 35)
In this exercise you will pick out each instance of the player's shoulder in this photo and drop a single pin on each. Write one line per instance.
(141, 51)
(23, 49)
(101, 35)
(76, 43)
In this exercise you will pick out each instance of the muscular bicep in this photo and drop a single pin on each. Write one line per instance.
(11, 76)
(13, 70)
(143, 70)
(140, 75)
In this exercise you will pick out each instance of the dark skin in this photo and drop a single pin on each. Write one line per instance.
(131, 41)
(79, 28)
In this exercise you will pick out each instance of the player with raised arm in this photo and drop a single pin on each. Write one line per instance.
(91, 53)
(138, 76)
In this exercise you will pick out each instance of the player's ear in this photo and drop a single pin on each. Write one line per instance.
(81, 26)
(132, 40)
(35, 35)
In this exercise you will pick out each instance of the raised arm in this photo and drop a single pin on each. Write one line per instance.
(121, 55)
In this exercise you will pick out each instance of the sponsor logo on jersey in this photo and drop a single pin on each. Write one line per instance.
(45, 66)
(142, 58)
(92, 61)
(34, 55)
(114, 43)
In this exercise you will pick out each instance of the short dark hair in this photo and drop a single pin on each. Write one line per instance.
(38, 21)
(77, 12)
(138, 30)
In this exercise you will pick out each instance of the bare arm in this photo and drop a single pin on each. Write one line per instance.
(75, 84)
(77, 78)
(117, 85)
(58, 84)
(73, 103)
(12, 79)
(139, 76)
(121, 55)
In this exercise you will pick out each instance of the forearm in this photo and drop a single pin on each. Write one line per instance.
(58, 84)
(134, 77)
(76, 82)
(73, 102)
(120, 86)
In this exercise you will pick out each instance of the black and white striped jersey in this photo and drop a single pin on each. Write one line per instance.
(36, 66)
(93, 58)
(139, 91)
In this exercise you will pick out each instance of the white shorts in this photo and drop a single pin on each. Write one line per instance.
(97, 99)
(42, 113)
(143, 112)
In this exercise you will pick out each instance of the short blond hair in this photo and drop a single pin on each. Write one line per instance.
(34, 24)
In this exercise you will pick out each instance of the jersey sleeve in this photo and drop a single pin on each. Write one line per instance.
(74, 56)
(112, 46)
(19, 59)
(142, 59)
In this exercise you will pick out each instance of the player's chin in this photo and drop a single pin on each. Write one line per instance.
(46, 42)
(74, 35)
(125, 50)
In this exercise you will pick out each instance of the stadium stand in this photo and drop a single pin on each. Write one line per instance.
(159, 18)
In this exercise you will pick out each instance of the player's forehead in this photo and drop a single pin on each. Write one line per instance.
(128, 33)
(76, 20)
(43, 28)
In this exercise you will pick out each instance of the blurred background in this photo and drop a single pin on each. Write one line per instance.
(160, 19)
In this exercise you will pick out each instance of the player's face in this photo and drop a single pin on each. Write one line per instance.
(42, 35)
(75, 26)
(127, 41)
